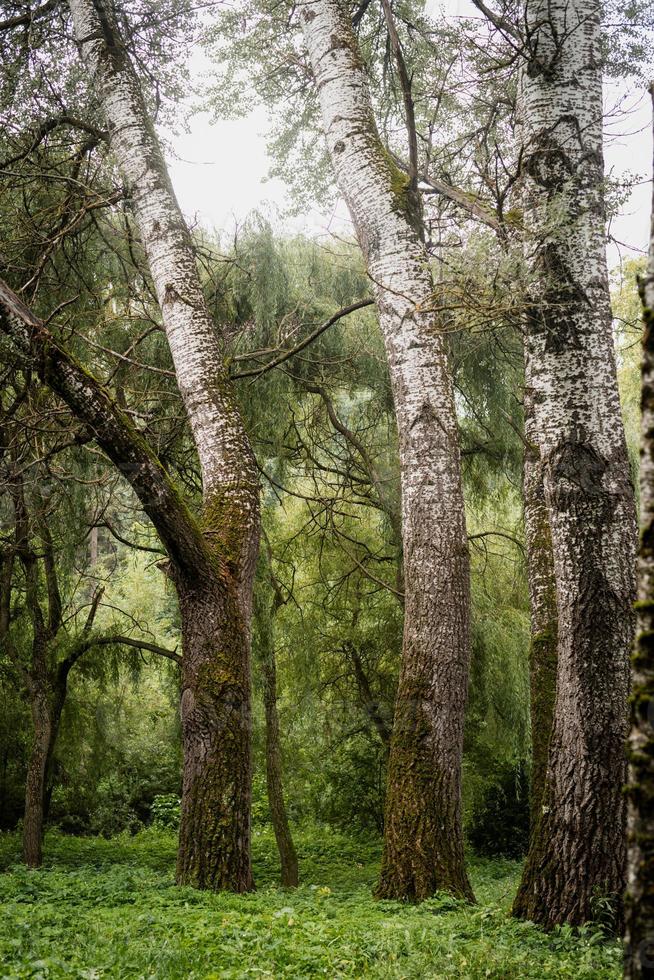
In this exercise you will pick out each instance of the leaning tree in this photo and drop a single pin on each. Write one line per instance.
(212, 554)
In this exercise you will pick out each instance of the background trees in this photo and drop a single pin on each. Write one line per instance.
(389, 442)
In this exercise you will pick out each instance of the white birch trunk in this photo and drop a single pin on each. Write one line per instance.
(423, 843)
(215, 599)
(577, 852)
(226, 459)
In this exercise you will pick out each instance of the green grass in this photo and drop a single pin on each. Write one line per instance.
(110, 909)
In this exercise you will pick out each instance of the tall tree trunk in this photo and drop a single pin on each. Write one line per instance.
(544, 614)
(216, 595)
(639, 908)
(423, 845)
(214, 843)
(265, 616)
(577, 854)
(37, 768)
(46, 705)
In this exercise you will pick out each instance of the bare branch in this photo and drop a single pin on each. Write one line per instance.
(276, 361)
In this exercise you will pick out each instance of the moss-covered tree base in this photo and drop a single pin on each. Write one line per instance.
(214, 839)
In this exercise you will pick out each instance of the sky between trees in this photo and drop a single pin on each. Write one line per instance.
(220, 168)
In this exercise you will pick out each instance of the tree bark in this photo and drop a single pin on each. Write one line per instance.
(214, 841)
(423, 846)
(46, 705)
(639, 906)
(213, 559)
(215, 704)
(543, 615)
(577, 854)
(274, 770)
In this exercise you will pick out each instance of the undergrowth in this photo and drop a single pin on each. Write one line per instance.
(109, 908)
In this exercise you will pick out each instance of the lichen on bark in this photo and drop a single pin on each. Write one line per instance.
(423, 849)
(577, 852)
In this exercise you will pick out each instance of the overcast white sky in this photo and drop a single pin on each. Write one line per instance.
(220, 170)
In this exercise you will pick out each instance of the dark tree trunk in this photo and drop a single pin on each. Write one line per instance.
(46, 706)
(214, 838)
(639, 906)
(274, 777)
(544, 616)
(370, 704)
(37, 769)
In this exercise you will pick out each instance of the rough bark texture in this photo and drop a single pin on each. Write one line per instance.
(274, 771)
(577, 855)
(214, 840)
(213, 561)
(639, 906)
(544, 615)
(423, 848)
(46, 705)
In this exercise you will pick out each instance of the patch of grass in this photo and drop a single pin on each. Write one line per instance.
(103, 908)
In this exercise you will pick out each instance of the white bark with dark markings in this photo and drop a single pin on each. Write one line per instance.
(578, 850)
(215, 597)
(423, 841)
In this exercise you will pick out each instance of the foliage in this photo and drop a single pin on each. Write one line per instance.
(118, 750)
(110, 909)
(165, 811)
(500, 824)
(628, 327)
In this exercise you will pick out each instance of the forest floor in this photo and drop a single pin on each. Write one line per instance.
(109, 908)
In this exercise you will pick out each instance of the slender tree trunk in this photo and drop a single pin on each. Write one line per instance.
(274, 771)
(37, 768)
(369, 702)
(215, 595)
(46, 707)
(577, 854)
(93, 546)
(544, 614)
(423, 846)
(639, 907)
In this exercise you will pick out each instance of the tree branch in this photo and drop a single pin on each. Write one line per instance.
(129, 641)
(285, 355)
(407, 97)
(46, 127)
(502, 25)
(29, 16)
(113, 430)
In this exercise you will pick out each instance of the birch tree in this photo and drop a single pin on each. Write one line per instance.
(639, 938)
(423, 847)
(213, 556)
(577, 851)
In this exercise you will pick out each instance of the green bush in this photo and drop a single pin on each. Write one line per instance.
(165, 811)
(500, 823)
